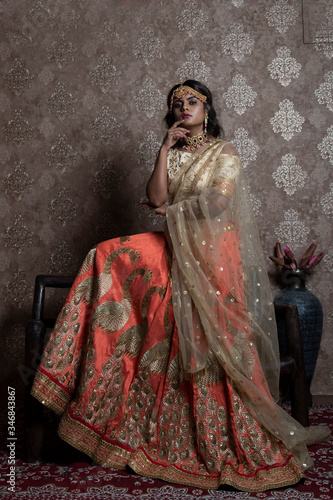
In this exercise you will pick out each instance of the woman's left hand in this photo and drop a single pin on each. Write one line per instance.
(159, 210)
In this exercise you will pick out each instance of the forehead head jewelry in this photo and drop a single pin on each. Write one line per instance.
(182, 91)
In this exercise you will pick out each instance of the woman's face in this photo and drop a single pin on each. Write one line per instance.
(191, 110)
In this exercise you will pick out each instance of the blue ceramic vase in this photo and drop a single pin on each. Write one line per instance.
(310, 314)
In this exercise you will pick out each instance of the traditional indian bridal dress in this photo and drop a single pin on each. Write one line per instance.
(164, 357)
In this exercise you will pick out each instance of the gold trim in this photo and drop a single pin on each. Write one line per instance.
(49, 393)
(264, 480)
(94, 445)
(227, 188)
(91, 443)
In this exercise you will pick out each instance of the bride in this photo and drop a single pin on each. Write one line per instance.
(164, 357)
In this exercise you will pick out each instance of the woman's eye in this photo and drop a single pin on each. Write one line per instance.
(192, 102)
(177, 105)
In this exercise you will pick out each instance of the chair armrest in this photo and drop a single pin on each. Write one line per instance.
(43, 281)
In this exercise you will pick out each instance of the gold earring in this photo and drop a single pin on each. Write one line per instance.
(205, 123)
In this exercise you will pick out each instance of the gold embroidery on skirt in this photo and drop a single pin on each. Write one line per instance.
(211, 374)
(157, 357)
(130, 342)
(49, 393)
(122, 239)
(88, 262)
(109, 454)
(112, 316)
(95, 287)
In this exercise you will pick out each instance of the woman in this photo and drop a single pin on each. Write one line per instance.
(164, 356)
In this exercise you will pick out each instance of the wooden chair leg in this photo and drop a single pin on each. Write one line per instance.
(33, 412)
(298, 386)
(299, 401)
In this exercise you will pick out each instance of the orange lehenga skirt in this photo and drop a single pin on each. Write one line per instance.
(113, 371)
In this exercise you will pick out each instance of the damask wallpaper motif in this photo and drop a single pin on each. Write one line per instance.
(83, 96)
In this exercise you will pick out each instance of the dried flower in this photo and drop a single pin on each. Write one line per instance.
(287, 259)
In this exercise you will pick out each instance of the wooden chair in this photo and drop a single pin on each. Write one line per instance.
(35, 333)
(292, 364)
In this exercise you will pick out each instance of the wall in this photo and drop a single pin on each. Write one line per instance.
(82, 101)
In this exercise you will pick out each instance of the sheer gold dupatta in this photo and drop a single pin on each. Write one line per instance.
(221, 295)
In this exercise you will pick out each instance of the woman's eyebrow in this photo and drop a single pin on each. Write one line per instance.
(188, 98)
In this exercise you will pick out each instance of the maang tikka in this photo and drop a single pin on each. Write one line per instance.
(182, 91)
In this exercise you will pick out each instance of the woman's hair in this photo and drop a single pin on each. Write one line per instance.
(213, 126)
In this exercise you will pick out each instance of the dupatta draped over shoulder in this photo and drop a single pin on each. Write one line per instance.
(220, 289)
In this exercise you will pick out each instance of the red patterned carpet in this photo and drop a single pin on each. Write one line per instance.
(74, 478)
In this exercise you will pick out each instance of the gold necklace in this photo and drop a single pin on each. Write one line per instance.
(195, 142)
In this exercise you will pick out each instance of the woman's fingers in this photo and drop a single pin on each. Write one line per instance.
(180, 129)
(178, 132)
(175, 133)
(158, 211)
(176, 127)
(177, 123)
(161, 210)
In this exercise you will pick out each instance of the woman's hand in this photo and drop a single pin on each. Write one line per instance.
(159, 210)
(174, 134)
(157, 188)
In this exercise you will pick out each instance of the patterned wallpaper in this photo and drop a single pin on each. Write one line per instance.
(83, 95)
